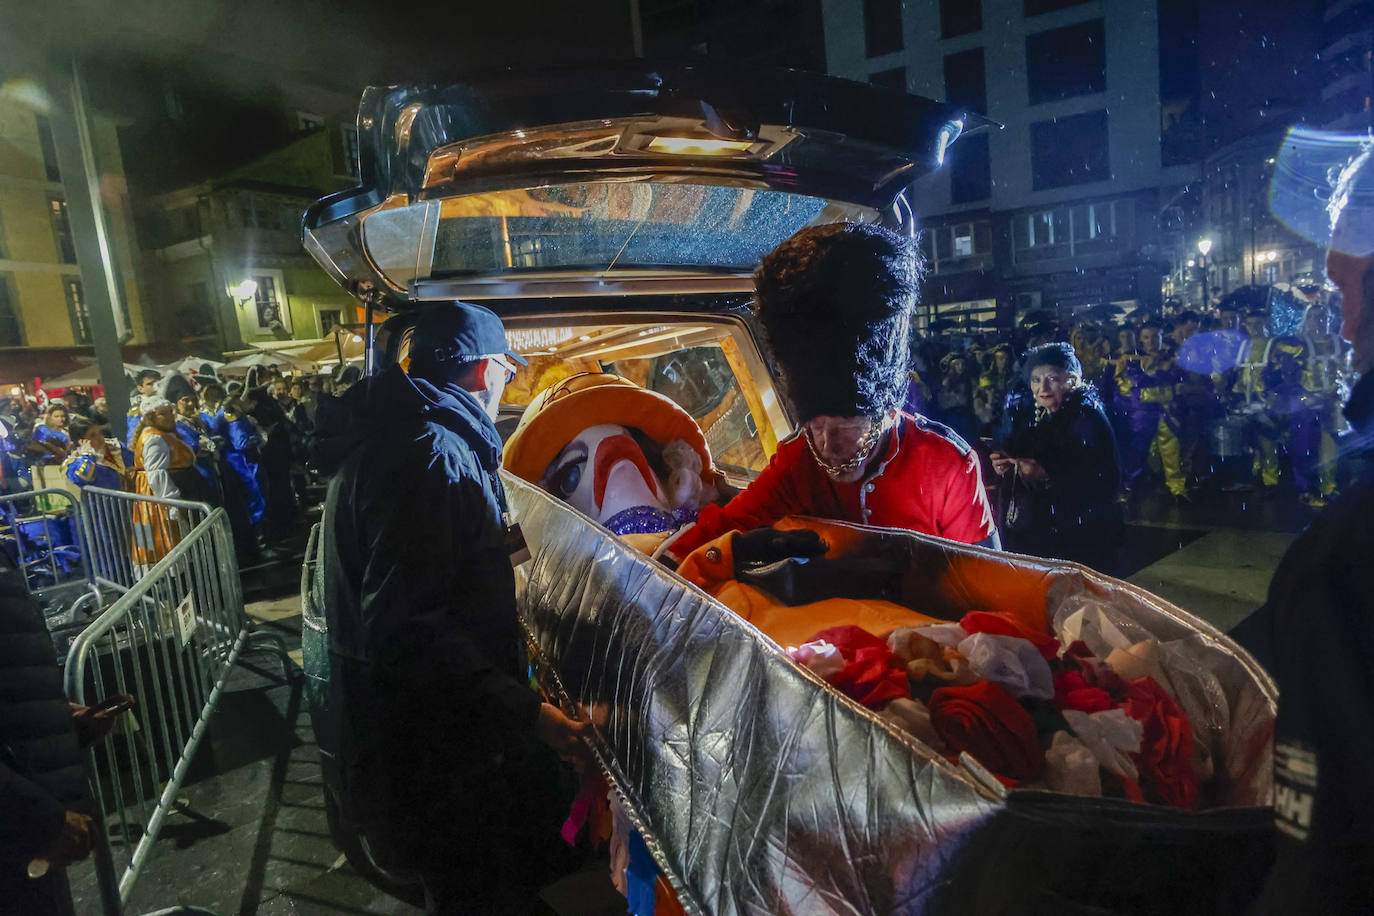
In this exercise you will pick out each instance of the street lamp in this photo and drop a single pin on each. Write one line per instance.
(1204, 245)
(244, 289)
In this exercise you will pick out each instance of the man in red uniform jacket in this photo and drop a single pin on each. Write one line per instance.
(835, 302)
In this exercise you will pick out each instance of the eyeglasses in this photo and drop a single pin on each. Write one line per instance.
(504, 364)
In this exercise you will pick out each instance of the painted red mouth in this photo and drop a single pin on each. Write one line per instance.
(612, 451)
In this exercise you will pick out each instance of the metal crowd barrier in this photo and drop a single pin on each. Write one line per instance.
(170, 639)
(127, 533)
(41, 531)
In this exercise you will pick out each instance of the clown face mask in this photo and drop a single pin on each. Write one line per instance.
(604, 473)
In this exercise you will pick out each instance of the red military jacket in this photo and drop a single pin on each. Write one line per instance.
(928, 481)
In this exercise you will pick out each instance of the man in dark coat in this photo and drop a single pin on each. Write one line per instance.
(446, 757)
(1315, 632)
(42, 767)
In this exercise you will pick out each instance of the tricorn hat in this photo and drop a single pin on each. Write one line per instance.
(835, 302)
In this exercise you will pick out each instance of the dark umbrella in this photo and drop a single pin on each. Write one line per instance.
(1039, 316)
(1245, 298)
(1102, 312)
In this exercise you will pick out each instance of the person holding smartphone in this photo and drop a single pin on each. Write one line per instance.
(45, 824)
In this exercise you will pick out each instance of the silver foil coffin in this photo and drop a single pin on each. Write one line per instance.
(762, 790)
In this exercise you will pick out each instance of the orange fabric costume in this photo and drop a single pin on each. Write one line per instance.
(155, 533)
(712, 568)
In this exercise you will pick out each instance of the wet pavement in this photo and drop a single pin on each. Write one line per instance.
(250, 833)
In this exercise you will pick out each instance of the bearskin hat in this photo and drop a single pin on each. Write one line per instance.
(835, 302)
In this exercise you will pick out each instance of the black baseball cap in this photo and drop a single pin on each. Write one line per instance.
(447, 336)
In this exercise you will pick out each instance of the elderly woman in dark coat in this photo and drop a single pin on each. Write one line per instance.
(1059, 469)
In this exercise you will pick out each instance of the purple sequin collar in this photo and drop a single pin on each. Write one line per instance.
(649, 520)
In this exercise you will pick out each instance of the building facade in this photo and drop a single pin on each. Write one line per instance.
(1063, 206)
(224, 259)
(42, 301)
(1347, 65)
(1249, 245)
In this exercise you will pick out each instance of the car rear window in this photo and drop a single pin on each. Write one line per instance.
(704, 367)
(597, 225)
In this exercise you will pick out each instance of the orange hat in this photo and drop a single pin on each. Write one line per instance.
(561, 411)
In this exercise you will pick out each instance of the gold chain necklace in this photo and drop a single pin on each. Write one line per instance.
(866, 444)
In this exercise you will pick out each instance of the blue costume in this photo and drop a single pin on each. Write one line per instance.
(86, 469)
(205, 465)
(44, 433)
(132, 418)
(241, 449)
(13, 474)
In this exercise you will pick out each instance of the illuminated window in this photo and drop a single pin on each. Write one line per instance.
(958, 247)
(62, 230)
(77, 310)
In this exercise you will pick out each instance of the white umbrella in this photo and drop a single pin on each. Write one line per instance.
(87, 376)
(190, 365)
(241, 365)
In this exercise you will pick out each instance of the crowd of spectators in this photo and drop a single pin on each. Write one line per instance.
(247, 445)
(1197, 403)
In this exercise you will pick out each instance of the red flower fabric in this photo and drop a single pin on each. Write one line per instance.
(1000, 623)
(870, 675)
(1096, 673)
(985, 720)
(1166, 750)
(1072, 691)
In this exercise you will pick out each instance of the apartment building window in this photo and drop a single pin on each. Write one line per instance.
(329, 320)
(970, 170)
(264, 213)
(1071, 231)
(1069, 151)
(49, 147)
(268, 305)
(960, 17)
(77, 310)
(882, 26)
(890, 79)
(1037, 7)
(1100, 227)
(958, 247)
(965, 80)
(11, 334)
(1067, 62)
(62, 230)
(349, 134)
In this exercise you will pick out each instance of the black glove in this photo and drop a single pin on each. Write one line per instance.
(768, 545)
